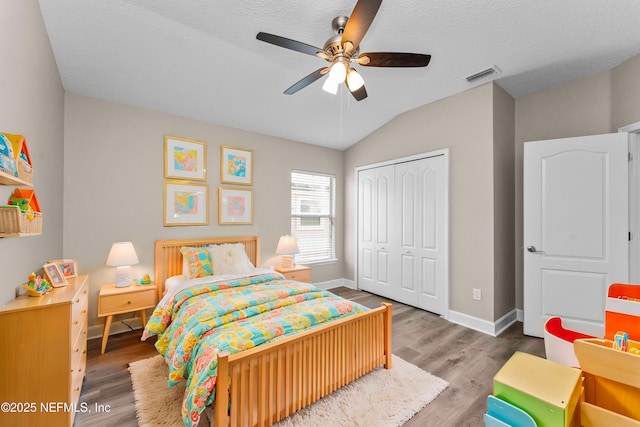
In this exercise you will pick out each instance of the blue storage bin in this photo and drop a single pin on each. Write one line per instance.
(503, 414)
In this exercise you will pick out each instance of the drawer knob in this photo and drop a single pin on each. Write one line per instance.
(78, 300)
(128, 302)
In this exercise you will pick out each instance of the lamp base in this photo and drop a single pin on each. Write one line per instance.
(287, 261)
(123, 277)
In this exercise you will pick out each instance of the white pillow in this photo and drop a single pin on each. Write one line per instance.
(230, 258)
(173, 281)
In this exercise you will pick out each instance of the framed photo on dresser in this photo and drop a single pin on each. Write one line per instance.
(68, 267)
(54, 275)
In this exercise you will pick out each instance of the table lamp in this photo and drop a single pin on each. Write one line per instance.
(287, 247)
(122, 256)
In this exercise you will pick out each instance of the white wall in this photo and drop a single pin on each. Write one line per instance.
(31, 104)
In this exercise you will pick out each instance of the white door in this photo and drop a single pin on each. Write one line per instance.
(402, 232)
(375, 222)
(421, 224)
(575, 229)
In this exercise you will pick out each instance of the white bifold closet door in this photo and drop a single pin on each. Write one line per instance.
(402, 232)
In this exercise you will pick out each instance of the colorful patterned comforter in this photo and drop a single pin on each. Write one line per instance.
(233, 315)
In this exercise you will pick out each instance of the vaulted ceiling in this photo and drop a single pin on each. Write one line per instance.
(201, 59)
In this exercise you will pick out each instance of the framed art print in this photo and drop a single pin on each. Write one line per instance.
(185, 159)
(235, 206)
(54, 275)
(185, 204)
(236, 166)
(68, 267)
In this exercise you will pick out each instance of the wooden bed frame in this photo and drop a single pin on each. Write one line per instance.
(272, 381)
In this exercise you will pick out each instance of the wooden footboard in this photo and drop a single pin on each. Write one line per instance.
(271, 382)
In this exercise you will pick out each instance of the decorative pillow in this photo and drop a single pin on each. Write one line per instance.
(173, 281)
(198, 262)
(230, 258)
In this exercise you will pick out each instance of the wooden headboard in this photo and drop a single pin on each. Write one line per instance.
(168, 258)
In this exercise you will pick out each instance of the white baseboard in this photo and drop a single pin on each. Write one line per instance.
(490, 328)
(335, 283)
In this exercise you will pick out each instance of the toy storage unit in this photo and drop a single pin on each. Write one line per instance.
(611, 384)
(549, 392)
(14, 157)
(622, 310)
(21, 154)
(22, 217)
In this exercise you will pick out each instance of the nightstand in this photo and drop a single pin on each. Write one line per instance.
(112, 301)
(301, 273)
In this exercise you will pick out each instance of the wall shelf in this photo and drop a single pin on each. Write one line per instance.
(6, 179)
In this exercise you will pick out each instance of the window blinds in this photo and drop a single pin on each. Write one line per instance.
(313, 216)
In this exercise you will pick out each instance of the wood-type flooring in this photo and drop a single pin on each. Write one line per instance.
(467, 359)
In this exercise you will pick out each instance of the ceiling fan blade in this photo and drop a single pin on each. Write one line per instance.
(393, 59)
(288, 43)
(306, 81)
(360, 21)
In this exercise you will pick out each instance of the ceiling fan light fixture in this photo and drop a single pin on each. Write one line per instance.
(354, 80)
(330, 86)
(338, 72)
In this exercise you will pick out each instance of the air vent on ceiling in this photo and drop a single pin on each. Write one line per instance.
(483, 73)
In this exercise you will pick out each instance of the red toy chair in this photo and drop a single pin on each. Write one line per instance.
(558, 342)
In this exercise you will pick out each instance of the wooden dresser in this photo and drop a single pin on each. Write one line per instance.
(43, 356)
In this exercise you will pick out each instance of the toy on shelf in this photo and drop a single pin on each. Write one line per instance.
(620, 341)
(25, 199)
(146, 280)
(37, 286)
(7, 161)
(24, 170)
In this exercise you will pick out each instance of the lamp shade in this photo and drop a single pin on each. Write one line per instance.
(122, 254)
(287, 245)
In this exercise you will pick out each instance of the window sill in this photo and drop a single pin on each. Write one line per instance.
(314, 263)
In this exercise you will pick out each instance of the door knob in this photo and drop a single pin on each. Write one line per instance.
(533, 249)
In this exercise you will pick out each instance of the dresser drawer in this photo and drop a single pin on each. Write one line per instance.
(79, 354)
(126, 302)
(79, 312)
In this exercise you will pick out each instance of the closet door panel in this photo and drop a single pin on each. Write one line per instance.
(386, 267)
(366, 230)
(433, 249)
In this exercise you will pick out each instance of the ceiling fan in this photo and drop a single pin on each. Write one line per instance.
(342, 50)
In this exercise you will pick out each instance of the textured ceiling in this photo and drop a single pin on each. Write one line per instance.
(200, 59)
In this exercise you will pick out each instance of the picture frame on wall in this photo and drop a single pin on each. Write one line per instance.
(54, 275)
(236, 165)
(235, 206)
(185, 204)
(185, 159)
(68, 267)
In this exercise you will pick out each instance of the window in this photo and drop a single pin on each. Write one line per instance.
(313, 200)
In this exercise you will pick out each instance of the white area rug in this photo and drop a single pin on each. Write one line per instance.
(382, 398)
